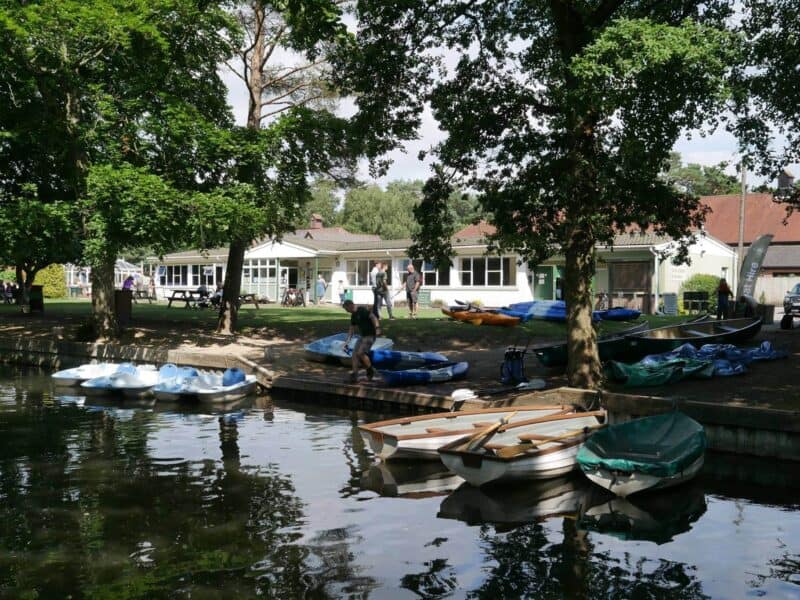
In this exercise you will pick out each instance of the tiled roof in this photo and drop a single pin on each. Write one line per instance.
(475, 232)
(785, 256)
(334, 234)
(762, 215)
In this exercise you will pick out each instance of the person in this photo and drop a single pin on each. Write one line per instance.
(322, 285)
(373, 275)
(128, 283)
(413, 283)
(151, 287)
(342, 291)
(382, 291)
(723, 293)
(8, 293)
(216, 298)
(202, 296)
(368, 327)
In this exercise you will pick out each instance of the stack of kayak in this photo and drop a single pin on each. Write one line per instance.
(710, 360)
(556, 310)
(196, 386)
(334, 348)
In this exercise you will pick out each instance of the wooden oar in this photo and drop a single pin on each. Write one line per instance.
(477, 441)
(509, 451)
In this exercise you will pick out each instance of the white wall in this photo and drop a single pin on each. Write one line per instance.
(774, 288)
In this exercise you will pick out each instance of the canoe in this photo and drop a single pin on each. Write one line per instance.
(482, 317)
(520, 503)
(130, 381)
(77, 375)
(333, 349)
(608, 346)
(421, 436)
(540, 450)
(409, 479)
(665, 339)
(396, 359)
(655, 518)
(437, 373)
(228, 386)
(645, 454)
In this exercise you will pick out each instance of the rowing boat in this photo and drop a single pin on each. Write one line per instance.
(608, 346)
(421, 436)
(537, 450)
(644, 454)
(664, 339)
(482, 317)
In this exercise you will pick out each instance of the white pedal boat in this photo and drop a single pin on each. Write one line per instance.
(205, 386)
(540, 450)
(131, 381)
(423, 435)
(77, 375)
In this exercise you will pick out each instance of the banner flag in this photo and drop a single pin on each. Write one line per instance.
(748, 273)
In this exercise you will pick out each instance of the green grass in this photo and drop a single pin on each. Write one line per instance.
(156, 323)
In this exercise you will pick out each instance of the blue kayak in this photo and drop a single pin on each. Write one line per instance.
(556, 310)
(429, 374)
(395, 359)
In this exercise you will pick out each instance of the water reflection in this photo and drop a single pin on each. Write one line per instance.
(409, 479)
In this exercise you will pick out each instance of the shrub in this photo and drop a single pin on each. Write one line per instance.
(702, 283)
(53, 281)
(439, 303)
(8, 275)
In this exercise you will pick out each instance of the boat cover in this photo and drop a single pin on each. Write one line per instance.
(395, 359)
(660, 373)
(662, 446)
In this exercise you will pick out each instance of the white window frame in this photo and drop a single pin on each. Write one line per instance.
(467, 265)
(353, 264)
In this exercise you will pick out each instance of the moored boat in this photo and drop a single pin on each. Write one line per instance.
(642, 454)
(230, 385)
(77, 375)
(421, 436)
(129, 380)
(608, 346)
(334, 349)
(396, 359)
(436, 373)
(540, 450)
(664, 339)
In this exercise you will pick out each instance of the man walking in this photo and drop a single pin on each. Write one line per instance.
(373, 283)
(382, 291)
(413, 283)
(366, 323)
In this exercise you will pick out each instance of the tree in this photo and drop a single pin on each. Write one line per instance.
(701, 180)
(389, 214)
(288, 110)
(323, 202)
(560, 115)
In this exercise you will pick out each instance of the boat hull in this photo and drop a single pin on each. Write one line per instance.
(77, 375)
(608, 348)
(211, 394)
(625, 484)
(333, 348)
(482, 317)
(432, 374)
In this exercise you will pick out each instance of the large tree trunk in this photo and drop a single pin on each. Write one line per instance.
(583, 364)
(104, 319)
(229, 306)
(23, 296)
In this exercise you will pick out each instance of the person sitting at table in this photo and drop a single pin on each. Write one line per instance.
(216, 298)
(202, 296)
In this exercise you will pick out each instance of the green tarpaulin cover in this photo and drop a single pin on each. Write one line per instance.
(662, 446)
(669, 371)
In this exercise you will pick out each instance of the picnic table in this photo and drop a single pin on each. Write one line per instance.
(248, 299)
(142, 295)
(190, 298)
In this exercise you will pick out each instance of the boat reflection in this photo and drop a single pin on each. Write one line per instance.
(409, 479)
(522, 503)
(657, 517)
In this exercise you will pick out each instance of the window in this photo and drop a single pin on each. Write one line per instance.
(175, 275)
(487, 271)
(430, 275)
(358, 272)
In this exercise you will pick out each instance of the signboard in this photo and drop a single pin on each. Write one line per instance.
(751, 266)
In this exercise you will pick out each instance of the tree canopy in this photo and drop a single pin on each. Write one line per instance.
(701, 180)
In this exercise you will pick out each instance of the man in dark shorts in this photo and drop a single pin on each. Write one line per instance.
(363, 320)
(413, 281)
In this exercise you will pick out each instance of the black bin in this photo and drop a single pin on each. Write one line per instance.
(36, 298)
(123, 301)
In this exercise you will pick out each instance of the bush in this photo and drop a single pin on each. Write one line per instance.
(702, 283)
(8, 275)
(53, 280)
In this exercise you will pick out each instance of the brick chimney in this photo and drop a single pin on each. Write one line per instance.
(316, 221)
(785, 181)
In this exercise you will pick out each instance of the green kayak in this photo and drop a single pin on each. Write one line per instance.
(648, 453)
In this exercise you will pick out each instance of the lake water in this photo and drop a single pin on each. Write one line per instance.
(100, 499)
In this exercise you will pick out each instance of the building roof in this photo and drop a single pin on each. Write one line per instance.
(762, 215)
(334, 234)
(786, 256)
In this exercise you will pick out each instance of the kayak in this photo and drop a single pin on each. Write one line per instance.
(436, 373)
(643, 454)
(396, 359)
(482, 317)
(334, 349)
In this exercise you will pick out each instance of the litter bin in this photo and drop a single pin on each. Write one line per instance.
(36, 298)
(348, 295)
(123, 301)
(424, 298)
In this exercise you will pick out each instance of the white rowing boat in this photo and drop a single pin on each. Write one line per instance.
(423, 435)
(539, 450)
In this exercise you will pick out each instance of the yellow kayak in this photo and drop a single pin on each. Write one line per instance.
(482, 317)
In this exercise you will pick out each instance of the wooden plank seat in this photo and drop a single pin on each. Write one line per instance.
(437, 430)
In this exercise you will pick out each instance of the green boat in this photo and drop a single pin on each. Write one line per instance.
(608, 346)
(644, 454)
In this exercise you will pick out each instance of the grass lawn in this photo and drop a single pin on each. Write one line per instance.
(158, 324)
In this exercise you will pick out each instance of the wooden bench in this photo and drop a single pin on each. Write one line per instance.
(142, 295)
(248, 299)
(695, 301)
(190, 298)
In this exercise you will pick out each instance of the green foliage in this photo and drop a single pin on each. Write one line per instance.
(54, 281)
(701, 282)
(8, 275)
(389, 214)
(701, 180)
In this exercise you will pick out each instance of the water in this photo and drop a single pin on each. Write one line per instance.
(103, 500)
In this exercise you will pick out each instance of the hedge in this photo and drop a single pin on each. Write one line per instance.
(53, 280)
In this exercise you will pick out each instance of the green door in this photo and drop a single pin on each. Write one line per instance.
(543, 283)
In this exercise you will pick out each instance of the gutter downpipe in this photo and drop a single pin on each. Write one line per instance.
(657, 271)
